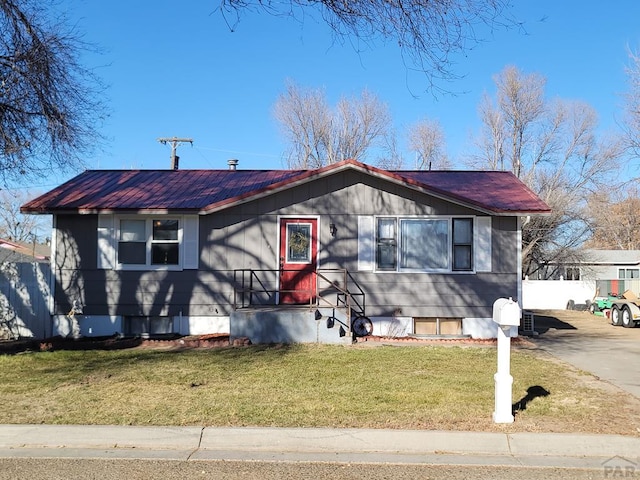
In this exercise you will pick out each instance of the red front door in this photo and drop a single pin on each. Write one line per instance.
(298, 252)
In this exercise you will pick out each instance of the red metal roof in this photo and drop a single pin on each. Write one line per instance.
(206, 191)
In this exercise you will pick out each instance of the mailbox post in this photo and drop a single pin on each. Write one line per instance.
(506, 313)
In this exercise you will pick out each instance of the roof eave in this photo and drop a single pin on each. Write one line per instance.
(119, 211)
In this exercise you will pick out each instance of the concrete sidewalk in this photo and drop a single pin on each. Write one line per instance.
(319, 445)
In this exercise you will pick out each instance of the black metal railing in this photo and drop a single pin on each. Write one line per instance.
(334, 288)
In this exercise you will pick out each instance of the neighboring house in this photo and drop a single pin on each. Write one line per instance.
(22, 252)
(614, 271)
(576, 283)
(205, 251)
(611, 264)
(595, 265)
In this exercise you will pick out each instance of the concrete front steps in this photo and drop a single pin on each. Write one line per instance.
(290, 324)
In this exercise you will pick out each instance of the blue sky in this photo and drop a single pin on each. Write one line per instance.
(175, 69)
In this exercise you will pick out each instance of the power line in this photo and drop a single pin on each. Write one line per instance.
(238, 152)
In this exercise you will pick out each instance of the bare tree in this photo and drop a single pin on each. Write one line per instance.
(427, 32)
(304, 118)
(49, 103)
(510, 120)
(615, 223)
(319, 135)
(17, 226)
(554, 149)
(390, 158)
(427, 142)
(631, 123)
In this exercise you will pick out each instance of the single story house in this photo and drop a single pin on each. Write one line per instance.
(610, 264)
(286, 255)
(575, 283)
(595, 264)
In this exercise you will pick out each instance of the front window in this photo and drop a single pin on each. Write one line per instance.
(628, 273)
(132, 245)
(462, 243)
(149, 241)
(572, 273)
(386, 250)
(164, 243)
(424, 244)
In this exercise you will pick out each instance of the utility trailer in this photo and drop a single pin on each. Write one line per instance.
(622, 310)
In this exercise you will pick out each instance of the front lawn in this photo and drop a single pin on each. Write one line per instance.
(426, 387)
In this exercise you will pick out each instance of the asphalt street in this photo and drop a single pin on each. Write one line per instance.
(89, 469)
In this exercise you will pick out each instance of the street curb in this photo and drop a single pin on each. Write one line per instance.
(317, 445)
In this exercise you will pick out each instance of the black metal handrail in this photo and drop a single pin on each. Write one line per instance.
(248, 284)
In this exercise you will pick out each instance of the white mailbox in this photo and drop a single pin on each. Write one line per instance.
(506, 312)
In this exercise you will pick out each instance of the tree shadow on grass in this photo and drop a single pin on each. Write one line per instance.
(62, 343)
(222, 345)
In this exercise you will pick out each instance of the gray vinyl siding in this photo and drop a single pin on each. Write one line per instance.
(246, 237)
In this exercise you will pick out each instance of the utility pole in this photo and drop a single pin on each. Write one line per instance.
(174, 141)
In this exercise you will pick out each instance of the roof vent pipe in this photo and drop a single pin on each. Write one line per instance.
(233, 164)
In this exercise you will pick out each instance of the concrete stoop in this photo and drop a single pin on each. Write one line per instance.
(290, 325)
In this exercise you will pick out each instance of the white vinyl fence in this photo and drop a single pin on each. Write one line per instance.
(556, 294)
(24, 300)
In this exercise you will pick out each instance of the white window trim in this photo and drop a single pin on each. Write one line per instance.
(449, 269)
(108, 236)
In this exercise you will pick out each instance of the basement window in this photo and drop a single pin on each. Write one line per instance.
(437, 326)
(148, 326)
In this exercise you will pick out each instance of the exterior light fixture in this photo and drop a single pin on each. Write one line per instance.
(332, 229)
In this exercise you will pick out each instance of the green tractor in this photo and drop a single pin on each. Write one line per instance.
(599, 305)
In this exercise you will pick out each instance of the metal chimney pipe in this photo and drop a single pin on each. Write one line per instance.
(233, 163)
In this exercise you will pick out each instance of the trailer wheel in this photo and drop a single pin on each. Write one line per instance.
(615, 315)
(627, 317)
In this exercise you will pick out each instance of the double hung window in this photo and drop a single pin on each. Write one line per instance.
(165, 246)
(462, 233)
(387, 248)
(149, 241)
(132, 244)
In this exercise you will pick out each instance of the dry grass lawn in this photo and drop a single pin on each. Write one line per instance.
(418, 387)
